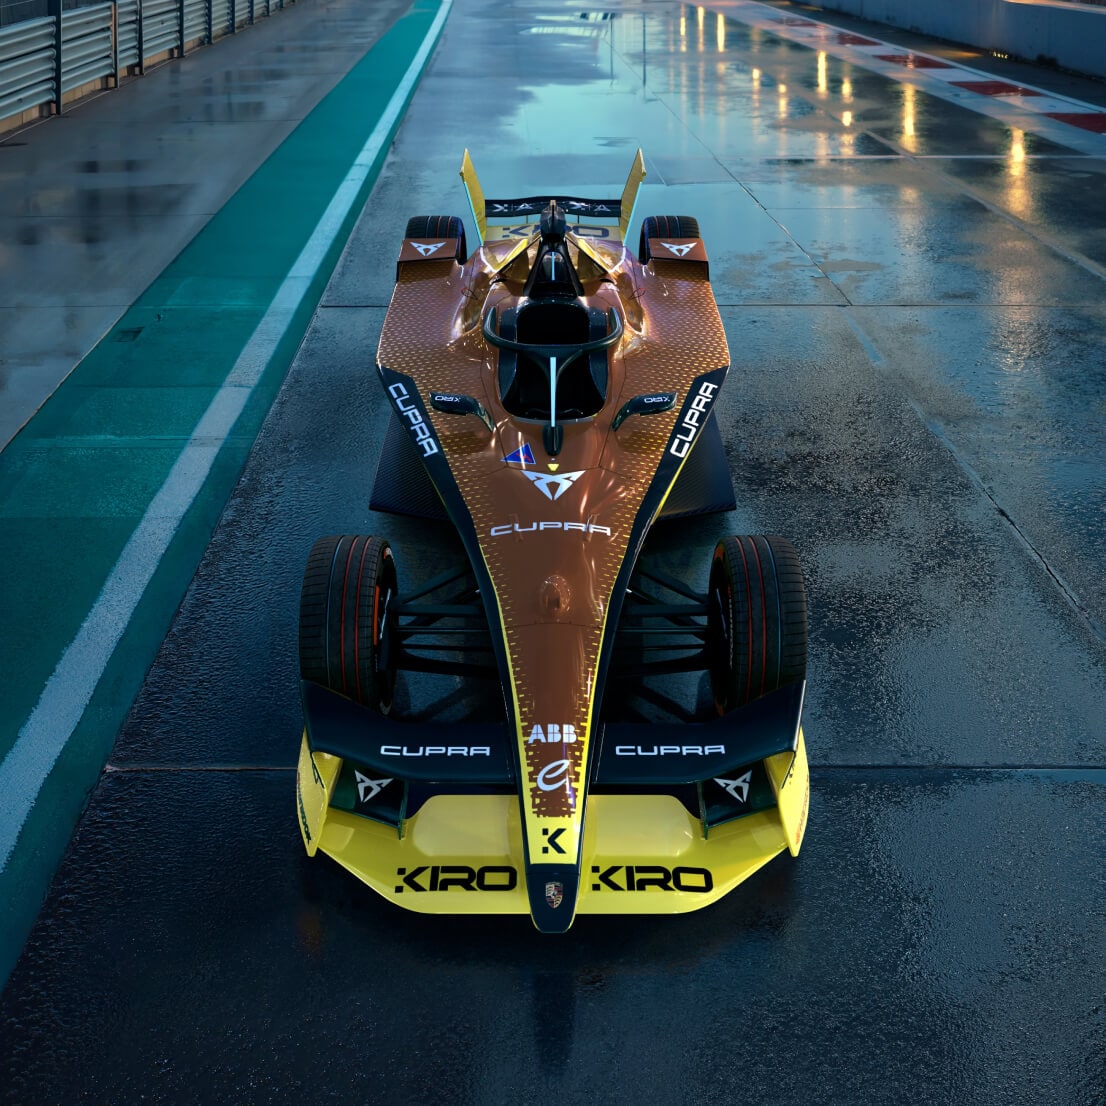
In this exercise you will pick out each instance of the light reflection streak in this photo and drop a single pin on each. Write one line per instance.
(720, 32)
(909, 135)
(700, 14)
(1018, 198)
(823, 84)
(847, 91)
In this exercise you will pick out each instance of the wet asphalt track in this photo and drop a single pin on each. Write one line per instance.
(916, 401)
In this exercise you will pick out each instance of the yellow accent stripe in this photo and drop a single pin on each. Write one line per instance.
(629, 193)
(519, 247)
(475, 194)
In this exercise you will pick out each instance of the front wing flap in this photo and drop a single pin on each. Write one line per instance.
(645, 754)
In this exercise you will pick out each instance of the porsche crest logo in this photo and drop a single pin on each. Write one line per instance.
(554, 894)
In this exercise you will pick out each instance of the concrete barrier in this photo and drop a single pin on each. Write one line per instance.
(1054, 32)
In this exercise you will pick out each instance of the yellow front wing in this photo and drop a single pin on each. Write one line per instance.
(463, 854)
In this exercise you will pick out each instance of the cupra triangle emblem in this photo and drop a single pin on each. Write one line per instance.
(739, 788)
(425, 249)
(679, 251)
(368, 789)
(553, 485)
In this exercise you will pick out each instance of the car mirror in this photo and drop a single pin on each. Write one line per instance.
(453, 403)
(651, 404)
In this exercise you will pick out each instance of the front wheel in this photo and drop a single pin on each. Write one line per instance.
(440, 226)
(347, 619)
(656, 227)
(756, 619)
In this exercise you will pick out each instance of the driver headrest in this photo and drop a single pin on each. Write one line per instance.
(553, 275)
(553, 223)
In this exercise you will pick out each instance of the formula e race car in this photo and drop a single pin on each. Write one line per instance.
(552, 399)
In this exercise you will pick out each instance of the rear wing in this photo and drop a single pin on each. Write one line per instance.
(487, 213)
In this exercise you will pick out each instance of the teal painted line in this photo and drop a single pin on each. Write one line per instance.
(75, 678)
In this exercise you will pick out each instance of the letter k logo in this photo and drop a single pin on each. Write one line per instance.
(553, 485)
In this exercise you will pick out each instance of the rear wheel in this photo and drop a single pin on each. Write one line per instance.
(440, 226)
(756, 619)
(347, 619)
(655, 227)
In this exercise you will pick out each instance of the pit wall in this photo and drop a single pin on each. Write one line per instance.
(1052, 32)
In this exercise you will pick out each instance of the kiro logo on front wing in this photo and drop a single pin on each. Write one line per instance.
(456, 877)
(648, 877)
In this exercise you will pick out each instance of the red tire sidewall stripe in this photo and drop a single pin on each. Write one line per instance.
(342, 623)
(763, 620)
(357, 624)
(376, 613)
(749, 604)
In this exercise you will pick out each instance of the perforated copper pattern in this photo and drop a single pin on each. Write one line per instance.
(554, 661)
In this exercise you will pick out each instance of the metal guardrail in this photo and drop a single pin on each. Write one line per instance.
(222, 22)
(87, 49)
(128, 34)
(43, 59)
(27, 53)
(194, 25)
(160, 26)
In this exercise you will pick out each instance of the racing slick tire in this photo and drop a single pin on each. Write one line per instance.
(440, 226)
(756, 619)
(665, 226)
(346, 619)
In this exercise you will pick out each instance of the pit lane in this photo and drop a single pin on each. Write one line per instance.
(915, 401)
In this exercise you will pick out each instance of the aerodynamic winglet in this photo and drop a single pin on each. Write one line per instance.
(413, 751)
(658, 754)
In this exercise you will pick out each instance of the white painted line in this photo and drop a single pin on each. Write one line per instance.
(70, 687)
